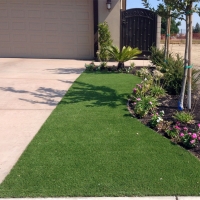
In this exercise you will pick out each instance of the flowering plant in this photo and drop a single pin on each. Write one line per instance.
(174, 131)
(141, 89)
(144, 105)
(156, 118)
(184, 135)
(190, 138)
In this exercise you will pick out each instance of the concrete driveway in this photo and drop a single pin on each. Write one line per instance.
(29, 91)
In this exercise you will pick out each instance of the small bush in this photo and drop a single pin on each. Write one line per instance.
(157, 91)
(104, 41)
(172, 68)
(144, 105)
(183, 117)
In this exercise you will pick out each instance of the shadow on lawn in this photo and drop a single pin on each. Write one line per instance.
(94, 96)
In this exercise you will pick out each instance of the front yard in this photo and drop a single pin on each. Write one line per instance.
(92, 146)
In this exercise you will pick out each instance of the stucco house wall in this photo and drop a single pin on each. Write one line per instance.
(112, 17)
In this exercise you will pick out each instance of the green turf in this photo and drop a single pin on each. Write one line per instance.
(91, 146)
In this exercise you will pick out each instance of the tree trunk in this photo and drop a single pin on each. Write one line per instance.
(190, 60)
(165, 47)
(168, 35)
(120, 65)
(180, 106)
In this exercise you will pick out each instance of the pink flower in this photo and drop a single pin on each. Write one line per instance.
(139, 86)
(185, 128)
(181, 134)
(194, 136)
(199, 138)
(189, 133)
(134, 103)
(135, 90)
(138, 99)
(150, 102)
(199, 125)
(177, 127)
(192, 141)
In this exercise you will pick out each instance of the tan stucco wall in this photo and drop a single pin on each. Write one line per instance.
(112, 17)
(123, 4)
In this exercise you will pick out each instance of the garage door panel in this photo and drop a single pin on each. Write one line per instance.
(66, 15)
(3, 13)
(35, 26)
(83, 51)
(50, 2)
(3, 2)
(19, 38)
(18, 26)
(36, 2)
(46, 28)
(69, 40)
(36, 13)
(4, 26)
(67, 3)
(18, 13)
(52, 39)
(18, 50)
(68, 27)
(4, 37)
(5, 49)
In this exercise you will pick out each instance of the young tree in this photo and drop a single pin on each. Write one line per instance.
(184, 10)
(165, 11)
(196, 29)
(174, 26)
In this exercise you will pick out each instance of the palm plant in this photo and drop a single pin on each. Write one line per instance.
(127, 53)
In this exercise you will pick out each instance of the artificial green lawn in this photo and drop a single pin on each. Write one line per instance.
(91, 146)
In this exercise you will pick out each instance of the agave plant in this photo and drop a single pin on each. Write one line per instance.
(127, 53)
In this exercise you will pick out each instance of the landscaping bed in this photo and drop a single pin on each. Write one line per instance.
(169, 104)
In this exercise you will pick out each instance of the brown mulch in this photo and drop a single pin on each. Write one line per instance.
(169, 104)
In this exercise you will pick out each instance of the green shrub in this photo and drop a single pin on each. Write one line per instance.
(144, 105)
(183, 117)
(157, 91)
(104, 41)
(127, 53)
(172, 68)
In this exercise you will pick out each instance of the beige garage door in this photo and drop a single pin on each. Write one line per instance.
(46, 28)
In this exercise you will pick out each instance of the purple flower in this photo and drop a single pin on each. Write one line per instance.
(194, 136)
(192, 141)
(181, 134)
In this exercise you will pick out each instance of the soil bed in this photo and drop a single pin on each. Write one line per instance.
(169, 104)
